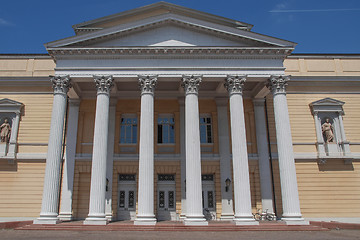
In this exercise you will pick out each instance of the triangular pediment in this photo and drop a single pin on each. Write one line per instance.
(327, 105)
(327, 102)
(170, 30)
(9, 102)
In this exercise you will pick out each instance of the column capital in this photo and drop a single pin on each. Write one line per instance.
(61, 84)
(191, 83)
(234, 84)
(277, 84)
(147, 83)
(103, 84)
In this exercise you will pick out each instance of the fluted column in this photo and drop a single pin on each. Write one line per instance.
(263, 153)
(145, 215)
(242, 195)
(99, 156)
(289, 189)
(227, 209)
(194, 209)
(69, 164)
(50, 199)
(14, 134)
(182, 158)
(110, 159)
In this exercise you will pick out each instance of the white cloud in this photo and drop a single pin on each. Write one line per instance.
(282, 10)
(3, 22)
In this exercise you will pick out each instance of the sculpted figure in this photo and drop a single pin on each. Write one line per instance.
(328, 130)
(5, 130)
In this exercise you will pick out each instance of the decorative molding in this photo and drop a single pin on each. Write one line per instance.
(191, 83)
(103, 84)
(61, 84)
(234, 84)
(277, 84)
(147, 83)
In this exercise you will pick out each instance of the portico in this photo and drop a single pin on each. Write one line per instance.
(153, 138)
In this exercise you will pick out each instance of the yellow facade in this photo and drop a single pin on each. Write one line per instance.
(330, 190)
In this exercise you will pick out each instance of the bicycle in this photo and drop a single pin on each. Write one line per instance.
(264, 215)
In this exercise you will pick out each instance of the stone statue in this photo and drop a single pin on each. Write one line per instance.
(328, 130)
(5, 130)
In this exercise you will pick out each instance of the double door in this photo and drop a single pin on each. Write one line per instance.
(166, 205)
(127, 200)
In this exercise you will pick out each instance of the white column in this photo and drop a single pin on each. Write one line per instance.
(289, 189)
(50, 199)
(69, 164)
(110, 159)
(182, 158)
(227, 212)
(242, 195)
(263, 153)
(13, 138)
(99, 156)
(145, 215)
(194, 209)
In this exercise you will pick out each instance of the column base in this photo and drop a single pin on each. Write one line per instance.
(65, 216)
(145, 220)
(294, 221)
(95, 221)
(47, 220)
(227, 217)
(195, 221)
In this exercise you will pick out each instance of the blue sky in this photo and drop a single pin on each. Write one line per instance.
(318, 26)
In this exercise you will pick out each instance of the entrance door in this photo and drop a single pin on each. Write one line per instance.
(166, 205)
(127, 197)
(208, 196)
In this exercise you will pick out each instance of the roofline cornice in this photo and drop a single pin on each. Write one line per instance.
(222, 52)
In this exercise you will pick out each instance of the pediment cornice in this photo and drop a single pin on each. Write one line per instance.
(186, 22)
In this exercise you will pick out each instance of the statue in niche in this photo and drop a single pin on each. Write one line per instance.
(5, 130)
(328, 131)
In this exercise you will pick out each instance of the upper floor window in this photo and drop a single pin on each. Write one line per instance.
(166, 128)
(205, 129)
(128, 129)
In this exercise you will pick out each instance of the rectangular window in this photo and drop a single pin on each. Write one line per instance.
(128, 129)
(205, 129)
(166, 129)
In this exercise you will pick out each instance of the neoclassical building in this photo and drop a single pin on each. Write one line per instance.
(168, 113)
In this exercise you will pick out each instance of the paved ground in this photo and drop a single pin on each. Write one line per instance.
(82, 235)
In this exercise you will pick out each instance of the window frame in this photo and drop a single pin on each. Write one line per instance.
(169, 116)
(206, 115)
(129, 116)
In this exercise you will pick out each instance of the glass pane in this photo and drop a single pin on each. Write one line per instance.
(160, 134)
(134, 120)
(172, 121)
(128, 120)
(171, 199)
(208, 120)
(202, 120)
(131, 199)
(161, 199)
(128, 134)
(122, 199)
(159, 120)
(134, 135)
(208, 128)
(122, 134)
(122, 120)
(202, 133)
(172, 134)
(166, 120)
(165, 133)
(210, 199)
